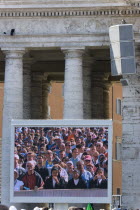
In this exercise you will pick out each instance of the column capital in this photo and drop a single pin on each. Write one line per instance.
(14, 53)
(73, 52)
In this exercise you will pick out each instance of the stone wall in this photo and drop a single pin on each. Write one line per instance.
(131, 140)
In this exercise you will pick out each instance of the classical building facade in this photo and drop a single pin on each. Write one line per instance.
(44, 41)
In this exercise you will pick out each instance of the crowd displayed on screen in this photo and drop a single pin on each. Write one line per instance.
(60, 158)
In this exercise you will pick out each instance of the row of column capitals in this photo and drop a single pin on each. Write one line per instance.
(73, 52)
(14, 53)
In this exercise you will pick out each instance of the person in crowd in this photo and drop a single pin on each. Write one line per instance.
(73, 143)
(30, 157)
(100, 148)
(105, 144)
(99, 180)
(85, 175)
(48, 146)
(93, 150)
(55, 181)
(56, 146)
(62, 147)
(91, 168)
(74, 157)
(21, 171)
(88, 140)
(70, 169)
(76, 182)
(62, 171)
(105, 167)
(95, 158)
(101, 160)
(81, 149)
(49, 160)
(42, 141)
(41, 169)
(87, 160)
(65, 159)
(68, 149)
(62, 154)
(72, 134)
(78, 140)
(32, 180)
(18, 185)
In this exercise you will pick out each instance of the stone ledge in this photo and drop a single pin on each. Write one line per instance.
(63, 3)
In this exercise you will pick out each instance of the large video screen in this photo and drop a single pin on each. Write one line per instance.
(61, 160)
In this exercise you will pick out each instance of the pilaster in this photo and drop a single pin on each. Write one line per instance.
(130, 139)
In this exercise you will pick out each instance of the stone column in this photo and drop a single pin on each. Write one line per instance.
(27, 88)
(12, 109)
(45, 92)
(106, 99)
(131, 139)
(97, 96)
(73, 84)
(36, 96)
(87, 72)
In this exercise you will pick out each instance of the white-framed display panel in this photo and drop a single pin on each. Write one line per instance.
(61, 123)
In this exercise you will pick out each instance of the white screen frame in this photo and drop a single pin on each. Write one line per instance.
(61, 123)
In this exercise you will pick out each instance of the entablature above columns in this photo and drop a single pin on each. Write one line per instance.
(61, 3)
(123, 10)
(59, 40)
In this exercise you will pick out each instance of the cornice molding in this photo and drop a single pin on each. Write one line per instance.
(135, 4)
(59, 12)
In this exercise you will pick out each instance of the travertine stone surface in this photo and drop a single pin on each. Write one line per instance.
(27, 88)
(77, 23)
(36, 96)
(97, 95)
(87, 75)
(131, 141)
(12, 109)
(45, 91)
(73, 84)
(106, 99)
(59, 3)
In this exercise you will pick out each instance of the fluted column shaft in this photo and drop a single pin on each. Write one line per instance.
(97, 97)
(12, 109)
(27, 88)
(87, 71)
(36, 96)
(73, 84)
(45, 92)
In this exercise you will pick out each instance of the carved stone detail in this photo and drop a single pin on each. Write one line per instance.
(78, 12)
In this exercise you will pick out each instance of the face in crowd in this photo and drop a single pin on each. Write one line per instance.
(76, 174)
(30, 166)
(49, 155)
(75, 153)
